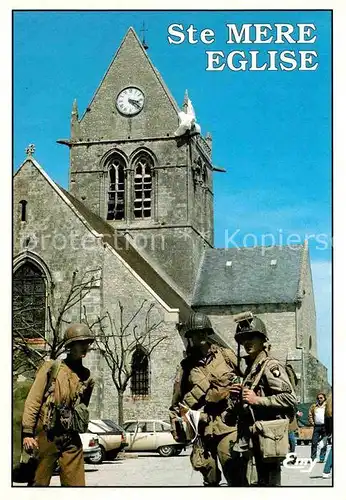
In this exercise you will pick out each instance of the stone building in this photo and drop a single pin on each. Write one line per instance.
(275, 283)
(139, 213)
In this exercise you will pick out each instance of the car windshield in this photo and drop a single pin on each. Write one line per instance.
(113, 425)
(98, 427)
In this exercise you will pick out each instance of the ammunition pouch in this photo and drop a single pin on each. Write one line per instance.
(80, 418)
(272, 438)
(67, 419)
(200, 457)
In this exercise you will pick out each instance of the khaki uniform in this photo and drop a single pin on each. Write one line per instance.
(276, 400)
(58, 444)
(203, 384)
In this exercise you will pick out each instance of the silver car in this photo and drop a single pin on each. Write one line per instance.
(151, 435)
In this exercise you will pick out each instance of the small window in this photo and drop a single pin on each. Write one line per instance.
(140, 373)
(23, 204)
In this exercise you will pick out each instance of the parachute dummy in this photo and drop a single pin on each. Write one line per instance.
(187, 120)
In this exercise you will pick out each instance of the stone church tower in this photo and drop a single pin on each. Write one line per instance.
(128, 167)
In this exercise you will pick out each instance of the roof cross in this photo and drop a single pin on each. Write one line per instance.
(30, 150)
(143, 30)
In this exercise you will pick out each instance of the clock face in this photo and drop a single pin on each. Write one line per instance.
(130, 101)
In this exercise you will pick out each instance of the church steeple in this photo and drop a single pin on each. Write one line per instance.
(128, 166)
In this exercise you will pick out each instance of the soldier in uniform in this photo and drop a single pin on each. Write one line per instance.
(203, 383)
(55, 443)
(272, 398)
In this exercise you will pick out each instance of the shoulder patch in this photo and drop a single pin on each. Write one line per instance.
(275, 370)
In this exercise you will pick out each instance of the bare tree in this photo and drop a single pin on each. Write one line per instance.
(31, 345)
(118, 339)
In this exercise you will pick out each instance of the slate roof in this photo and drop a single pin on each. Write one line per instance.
(124, 248)
(250, 279)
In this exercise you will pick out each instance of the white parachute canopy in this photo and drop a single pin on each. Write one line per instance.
(187, 121)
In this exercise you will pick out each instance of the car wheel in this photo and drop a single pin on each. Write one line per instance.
(299, 442)
(166, 451)
(306, 442)
(99, 457)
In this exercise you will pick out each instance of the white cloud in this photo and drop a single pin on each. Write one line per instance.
(322, 282)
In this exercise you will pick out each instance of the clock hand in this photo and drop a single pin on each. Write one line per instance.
(135, 103)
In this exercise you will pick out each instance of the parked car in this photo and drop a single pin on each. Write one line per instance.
(112, 439)
(151, 435)
(91, 446)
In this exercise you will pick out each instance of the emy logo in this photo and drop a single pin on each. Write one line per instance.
(293, 462)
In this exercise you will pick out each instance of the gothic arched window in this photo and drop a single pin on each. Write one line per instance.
(143, 186)
(116, 188)
(29, 302)
(140, 373)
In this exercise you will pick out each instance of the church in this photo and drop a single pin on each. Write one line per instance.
(138, 215)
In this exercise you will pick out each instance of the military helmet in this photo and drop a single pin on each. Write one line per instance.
(248, 323)
(198, 322)
(78, 331)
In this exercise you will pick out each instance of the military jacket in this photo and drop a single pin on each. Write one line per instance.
(68, 382)
(276, 395)
(203, 384)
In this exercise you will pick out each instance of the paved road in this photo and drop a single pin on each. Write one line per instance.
(149, 469)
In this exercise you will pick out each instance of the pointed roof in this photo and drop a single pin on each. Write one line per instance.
(136, 45)
(256, 275)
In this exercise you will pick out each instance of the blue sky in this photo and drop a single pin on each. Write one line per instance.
(271, 129)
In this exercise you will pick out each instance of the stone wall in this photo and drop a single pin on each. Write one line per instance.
(120, 285)
(316, 379)
(306, 313)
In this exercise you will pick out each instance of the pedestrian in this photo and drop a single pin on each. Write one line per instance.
(328, 417)
(203, 383)
(53, 415)
(268, 400)
(316, 418)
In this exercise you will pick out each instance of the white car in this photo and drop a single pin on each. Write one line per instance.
(151, 435)
(91, 446)
(112, 439)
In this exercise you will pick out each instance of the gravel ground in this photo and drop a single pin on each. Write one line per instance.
(149, 469)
